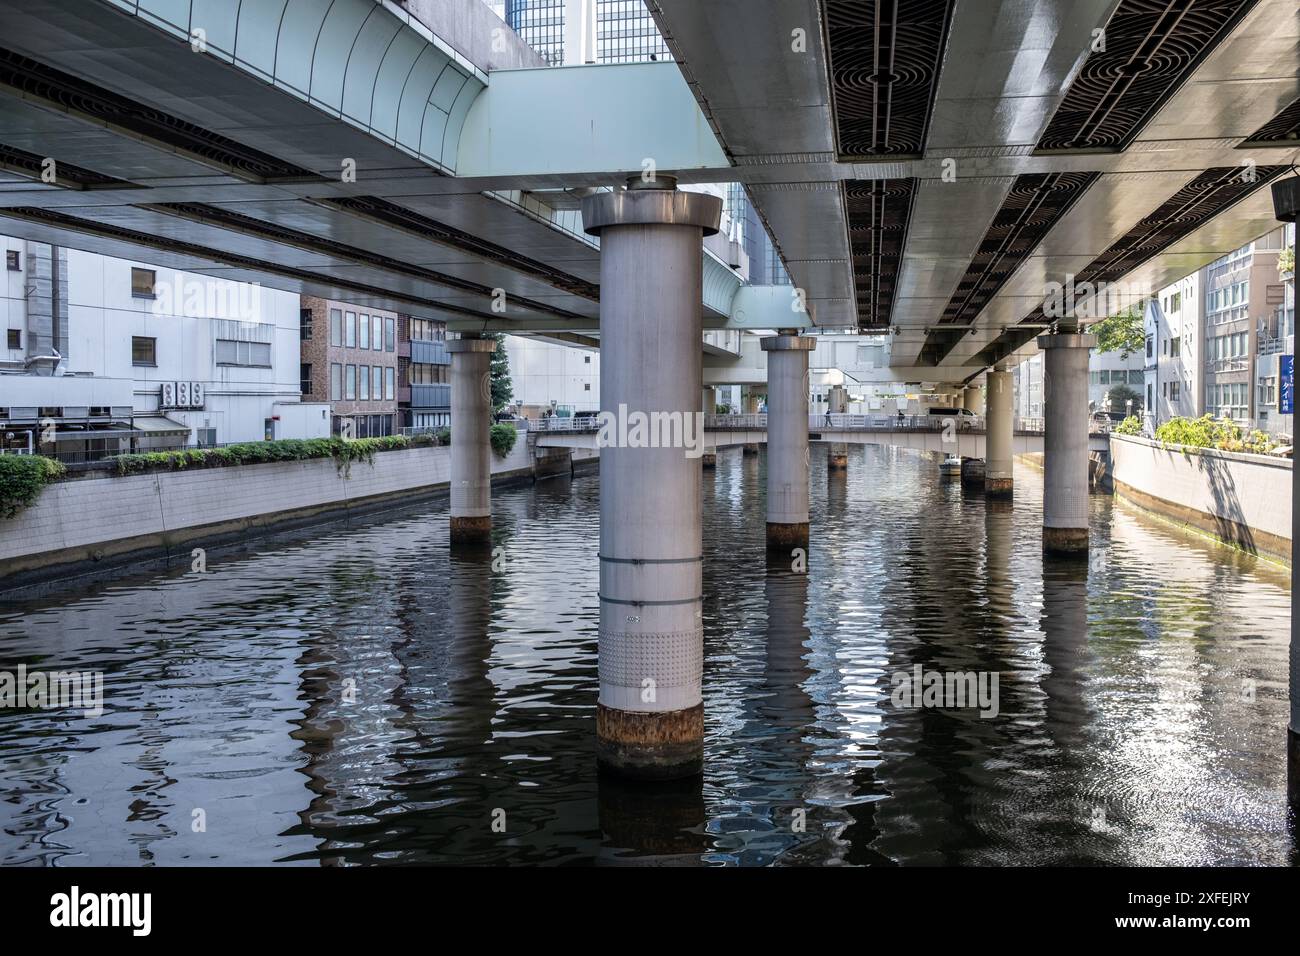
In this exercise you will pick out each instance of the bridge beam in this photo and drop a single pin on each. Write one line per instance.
(471, 456)
(650, 713)
(1065, 442)
(998, 482)
(787, 439)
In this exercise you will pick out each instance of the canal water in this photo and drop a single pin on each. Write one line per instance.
(358, 696)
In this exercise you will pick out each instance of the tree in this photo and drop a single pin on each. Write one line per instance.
(503, 392)
(1118, 398)
(1123, 332)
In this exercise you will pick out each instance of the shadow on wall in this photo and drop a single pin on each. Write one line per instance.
(1229, 520)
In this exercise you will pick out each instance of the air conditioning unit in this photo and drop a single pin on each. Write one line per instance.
(181, 395)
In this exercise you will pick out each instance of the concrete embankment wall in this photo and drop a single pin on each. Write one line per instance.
(1242, 500)
(95, 522)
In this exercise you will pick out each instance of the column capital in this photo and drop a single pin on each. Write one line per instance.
(471, 345)
(1067, 340)
(788, 343)
(649, 206)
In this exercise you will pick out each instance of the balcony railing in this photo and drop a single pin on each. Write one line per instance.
(429, 353)
(431, 396)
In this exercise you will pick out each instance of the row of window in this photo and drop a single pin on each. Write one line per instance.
(1228, 401)
(427, 330)
(1228, 346)
(421, 374)
(362, 383)
(362, 426)
(1235, 296)
(1117, 376)
(144, 352)
(357, 330)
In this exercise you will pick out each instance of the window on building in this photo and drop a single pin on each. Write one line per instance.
(1173, 348)
(336, 382)
(142, 283)
(390, 335)
(377, 382)
(377, 332)
(350, 329)
(336, 327)
(586, 360)
(586, 386)
(1149, 347)
(14, 260)
(390, 382)
(363, 382)
(15, 338)
(246, 354)
(144, 351)
(304, 378)
(363, 330)
(350, 389)
(304, 325)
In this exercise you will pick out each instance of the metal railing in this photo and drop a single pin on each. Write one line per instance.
(582, 423)
(820, 423)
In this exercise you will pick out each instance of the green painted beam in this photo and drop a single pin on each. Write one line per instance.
(609, 118)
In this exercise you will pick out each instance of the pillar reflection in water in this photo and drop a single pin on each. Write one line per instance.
(1065, 651)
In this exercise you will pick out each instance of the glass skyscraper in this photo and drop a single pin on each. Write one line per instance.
(540, 24)
(626, 33)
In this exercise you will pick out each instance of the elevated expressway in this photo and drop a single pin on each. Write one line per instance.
(929, 170)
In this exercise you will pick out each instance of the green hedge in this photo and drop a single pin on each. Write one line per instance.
(344, 451)
(1207, 432)
(1129, 426)
(502, 438)
(21, 479)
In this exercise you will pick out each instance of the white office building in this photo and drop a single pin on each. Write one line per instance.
(546, 375)
(1175, 326)
(106, 355)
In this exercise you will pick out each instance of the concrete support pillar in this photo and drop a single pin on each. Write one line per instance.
(837, 403)
(973, 400)
(471, 455)
(787, 439)
(650, 712)
(1065, 441)
(751, 402)
(1293, 731)
(998, 434)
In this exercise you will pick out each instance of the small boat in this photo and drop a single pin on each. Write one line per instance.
(950, 467)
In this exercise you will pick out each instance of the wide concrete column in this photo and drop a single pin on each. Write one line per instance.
(973, 400)
(650, 713)
(1065, 441)
(999, 422)
(787, 439)
(471, 454)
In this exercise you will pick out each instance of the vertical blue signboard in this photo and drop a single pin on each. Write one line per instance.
(1286, 384)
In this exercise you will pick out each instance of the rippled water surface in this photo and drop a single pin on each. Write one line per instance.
(359, 696)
